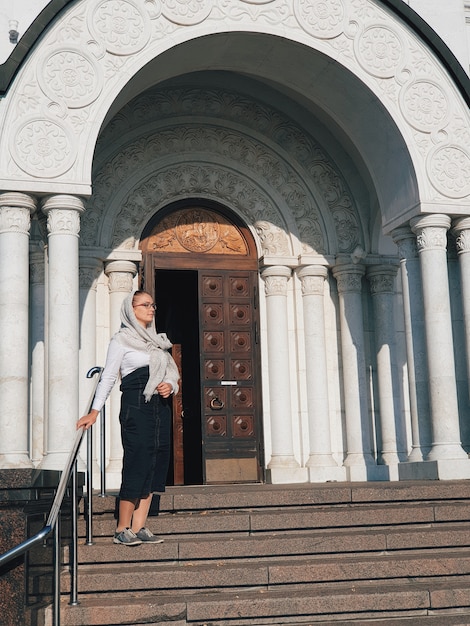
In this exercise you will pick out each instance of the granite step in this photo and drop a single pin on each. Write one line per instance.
(366, 554)
(191, 577)
(287, 544)
(256, 496)
(293, 518)
(395, 603)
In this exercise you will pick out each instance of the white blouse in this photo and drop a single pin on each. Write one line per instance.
(123, 361)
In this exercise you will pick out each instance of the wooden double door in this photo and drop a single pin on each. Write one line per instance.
(208, 306)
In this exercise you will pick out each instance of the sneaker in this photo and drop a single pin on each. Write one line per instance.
(127, 537)
(146, 536)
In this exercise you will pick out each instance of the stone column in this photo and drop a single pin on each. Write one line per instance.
(63, 226)
(431, 232)
(15, 221)
(415, 343)
(358, 433)
(38, 361)
(89, 271)
(382, 287)
(321, 463)
(282, 461)
(90, 268)
(120, 284)
(462, 233)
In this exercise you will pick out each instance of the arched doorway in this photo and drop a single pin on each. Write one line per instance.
(200, 264)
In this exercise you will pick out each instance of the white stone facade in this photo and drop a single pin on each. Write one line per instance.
(334, 132)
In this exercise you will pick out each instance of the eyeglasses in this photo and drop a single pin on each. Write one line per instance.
(147, 305)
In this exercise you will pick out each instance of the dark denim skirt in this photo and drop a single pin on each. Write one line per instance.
(145, 434)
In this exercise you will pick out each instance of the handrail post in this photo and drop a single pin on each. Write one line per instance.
(74, 541)
(57, 563)
(89, 488)
(89, 469)
(103, 452)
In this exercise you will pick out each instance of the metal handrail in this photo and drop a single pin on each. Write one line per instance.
(53, 520)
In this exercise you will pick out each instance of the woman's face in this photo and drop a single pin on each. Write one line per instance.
(144, 309)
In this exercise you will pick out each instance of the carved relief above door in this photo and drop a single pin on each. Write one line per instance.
(196, 230)
(202, 269)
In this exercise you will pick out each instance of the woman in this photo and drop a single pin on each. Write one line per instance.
(148, 378)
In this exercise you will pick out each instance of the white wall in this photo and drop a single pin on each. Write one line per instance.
(446, 17)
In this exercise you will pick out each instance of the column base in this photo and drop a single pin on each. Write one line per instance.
(359, 459)
(321, 460)
(286, 475)
(447, 452)
(417, 455)
(444, 469)
(389, 458)
(326, 474)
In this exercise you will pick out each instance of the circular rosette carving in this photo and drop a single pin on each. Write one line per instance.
(379, 50)
(449, 171)
(121, 25)
(186, 12)
(43, 148)
(71, 77)
(197, 231)
(321, 18)
(424, 105)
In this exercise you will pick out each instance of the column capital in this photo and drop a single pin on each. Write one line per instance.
(16, 199)
(312, 278)
(405, 239)
(382, 278)
(90, 267)
(435, 220)
(276, 278)
(120, 275)
(16, 210)
(88, 274)
(461, 230)
(63, 214)
(431, 231)
(64, 202)
(312, 270)
(349, 277)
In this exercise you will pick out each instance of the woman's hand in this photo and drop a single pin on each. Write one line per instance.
(165, 389)
(88, 420)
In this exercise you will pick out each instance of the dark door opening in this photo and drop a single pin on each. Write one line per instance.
(176, 296)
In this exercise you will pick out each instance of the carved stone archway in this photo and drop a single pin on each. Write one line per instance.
(55, 109)
(291, 192)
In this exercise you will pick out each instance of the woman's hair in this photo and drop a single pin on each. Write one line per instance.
(140, 292)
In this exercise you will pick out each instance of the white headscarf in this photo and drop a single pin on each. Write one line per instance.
(133, 335)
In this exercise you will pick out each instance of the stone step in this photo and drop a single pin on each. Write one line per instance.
(255, 496)
(293, 518)
(260, 546)
(190, 577)
(368, 554)
(427, 603)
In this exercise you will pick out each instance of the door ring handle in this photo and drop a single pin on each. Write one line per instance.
(216, 404)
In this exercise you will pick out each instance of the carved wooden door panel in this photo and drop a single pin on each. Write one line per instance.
(230, 394)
